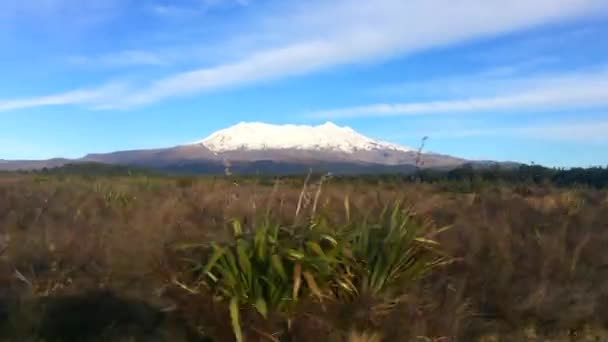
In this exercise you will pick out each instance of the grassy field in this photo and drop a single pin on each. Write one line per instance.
(103, 259)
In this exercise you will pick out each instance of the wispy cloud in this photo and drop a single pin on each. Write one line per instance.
(365, 32)
(288, 61)
(583, 89)
(572, 131)
(537, 45)
(56, 14)
(214, 3)
(490, 81)
(320, 34)
(585, 131)
(122, 59)
(194, 8)
(172, 10)
(48, 7)
(88, 97)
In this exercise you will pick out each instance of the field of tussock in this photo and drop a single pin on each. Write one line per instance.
(92, 259)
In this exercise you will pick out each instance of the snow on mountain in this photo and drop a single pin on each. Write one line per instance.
(262, 136)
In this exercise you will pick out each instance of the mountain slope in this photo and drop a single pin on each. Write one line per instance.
(264, 148)
(15, 165)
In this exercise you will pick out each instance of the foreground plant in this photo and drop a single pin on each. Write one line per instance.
(269, 270)
(273, 268)
(391, 252)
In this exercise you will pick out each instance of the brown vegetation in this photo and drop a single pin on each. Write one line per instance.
(93, 258)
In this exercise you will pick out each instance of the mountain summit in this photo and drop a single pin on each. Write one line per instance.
(261, 136)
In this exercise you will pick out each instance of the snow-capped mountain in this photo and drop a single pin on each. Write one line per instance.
(277, 149)
(262, 136)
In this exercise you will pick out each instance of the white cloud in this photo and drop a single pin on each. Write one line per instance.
(83, 96)
(267, 65)
(72, 14)
(320, 34)
(213, 3)
(122, 59)
(133, 57)
(350, 31)
(171, 10)
(536, 45)
(501, 78)
(571, 90)
(585, 131)
(194, 8)
(595, 132)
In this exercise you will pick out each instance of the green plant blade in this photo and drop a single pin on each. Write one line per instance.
(234, 318)
(277, 265)
(260, 305)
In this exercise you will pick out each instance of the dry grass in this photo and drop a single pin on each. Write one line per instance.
(531, 265)
(355, 336)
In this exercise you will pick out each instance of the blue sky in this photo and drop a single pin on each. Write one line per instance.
(484, 79)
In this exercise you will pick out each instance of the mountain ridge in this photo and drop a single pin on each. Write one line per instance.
(261, 136)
